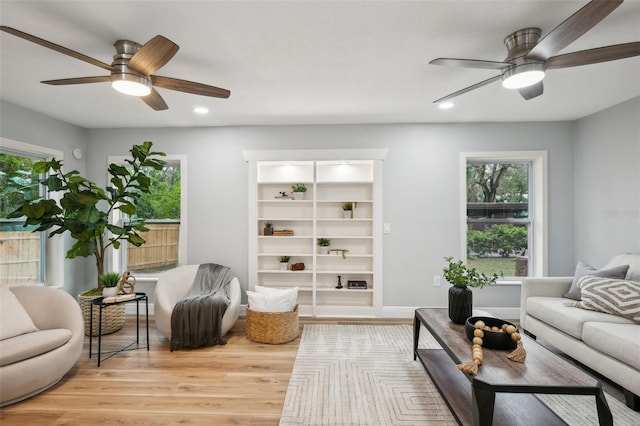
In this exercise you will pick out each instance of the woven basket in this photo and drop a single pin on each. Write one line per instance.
(112, 316)
(272, 327)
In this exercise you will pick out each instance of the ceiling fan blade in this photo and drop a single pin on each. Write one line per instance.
(468, 89)
(189, 87)
(155, 101)
(78, 80)
(153, 55)
(572, 28)
(532, 91)
(470, 63)
(593, 56)
(57, 48)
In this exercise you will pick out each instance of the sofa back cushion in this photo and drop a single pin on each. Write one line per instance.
(582, 269)
(633, 260)
(14, 319)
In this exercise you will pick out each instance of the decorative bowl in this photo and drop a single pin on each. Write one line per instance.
(492, 339)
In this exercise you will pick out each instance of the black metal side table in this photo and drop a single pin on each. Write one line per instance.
(99, 301)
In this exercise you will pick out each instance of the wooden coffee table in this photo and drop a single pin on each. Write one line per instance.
(502, 392)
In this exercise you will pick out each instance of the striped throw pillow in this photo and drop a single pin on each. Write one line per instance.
(617, 297)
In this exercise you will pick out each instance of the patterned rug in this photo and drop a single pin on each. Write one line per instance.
(361, 375)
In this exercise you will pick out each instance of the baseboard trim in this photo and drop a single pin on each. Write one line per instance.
(408, 311)
(402, 312)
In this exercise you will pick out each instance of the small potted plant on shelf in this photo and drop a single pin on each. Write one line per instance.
(298, 190)
(324, 244)
(347, 210)
(462, 277)
(284, 262)
(110, 281)
(268, 230)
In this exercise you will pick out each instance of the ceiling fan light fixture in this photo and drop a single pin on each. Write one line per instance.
(131, 84)
(524, 75)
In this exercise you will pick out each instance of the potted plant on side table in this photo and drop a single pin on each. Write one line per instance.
(84, 211)
(460, 296)
(110, 281)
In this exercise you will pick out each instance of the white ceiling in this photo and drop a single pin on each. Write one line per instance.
(308, 62)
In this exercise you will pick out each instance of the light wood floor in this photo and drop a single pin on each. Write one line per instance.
(241, 383)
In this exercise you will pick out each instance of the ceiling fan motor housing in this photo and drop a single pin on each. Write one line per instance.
(125, 50)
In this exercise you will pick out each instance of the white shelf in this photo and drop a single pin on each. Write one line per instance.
(319, 215)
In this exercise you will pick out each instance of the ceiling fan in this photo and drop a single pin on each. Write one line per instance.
(132, 70)
(529, 57)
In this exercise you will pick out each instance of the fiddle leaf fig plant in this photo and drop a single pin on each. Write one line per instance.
(85, 208)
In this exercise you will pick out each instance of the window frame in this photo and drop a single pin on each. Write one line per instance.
(538, 238)
(117, 258)
(53, 254)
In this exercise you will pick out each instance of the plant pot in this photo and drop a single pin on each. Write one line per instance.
(460, 304)
(110, 291)
(323, 250)
(112, 316)
(348, 214)
(268, 230)
(298, 195)
(284, 266)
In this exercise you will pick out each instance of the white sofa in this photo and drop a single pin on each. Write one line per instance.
(606, 343)
(41, 341)
(175, 284)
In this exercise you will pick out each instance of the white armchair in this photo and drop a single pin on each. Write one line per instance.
(175, 284)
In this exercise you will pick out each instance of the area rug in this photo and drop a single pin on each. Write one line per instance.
(361, 375)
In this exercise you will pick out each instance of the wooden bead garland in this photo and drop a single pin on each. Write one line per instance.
(518, 355)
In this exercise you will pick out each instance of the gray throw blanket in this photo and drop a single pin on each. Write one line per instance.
(196, 321)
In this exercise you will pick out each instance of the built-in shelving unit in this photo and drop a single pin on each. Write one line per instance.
(330, 183)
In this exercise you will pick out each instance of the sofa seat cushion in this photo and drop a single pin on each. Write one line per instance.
(568, 319)
(620, 341)
(33, 344)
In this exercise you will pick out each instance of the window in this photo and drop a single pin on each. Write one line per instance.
(25, 257)
(163, 210)
(504, 213)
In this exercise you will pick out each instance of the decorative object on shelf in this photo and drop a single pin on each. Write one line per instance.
(283, 232)
(339, 286)
(297, 266)
(491, 333)
(127, 284)
(340, 252)
(359, 285)
(460, 296)
(110, 282)
(283, 196)
(268, 230)
(324, 244)
(298, 190)
(284, 263)
(347, 210)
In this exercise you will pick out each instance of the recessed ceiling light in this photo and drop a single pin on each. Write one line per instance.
(446, 105)
(201, 110)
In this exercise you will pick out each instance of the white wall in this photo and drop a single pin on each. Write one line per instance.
(420, 191)
(607, 183)
(593, 164)
(24, 125)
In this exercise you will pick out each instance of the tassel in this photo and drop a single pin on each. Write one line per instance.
(470, 367)
(519, 354)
